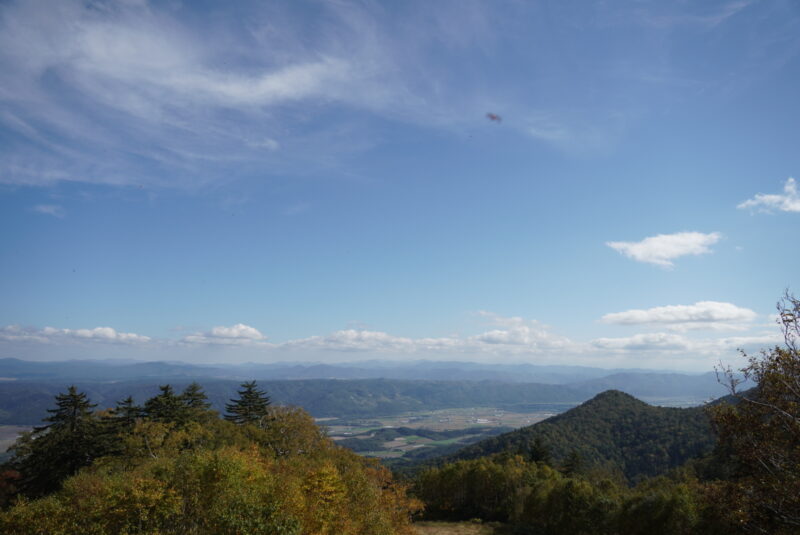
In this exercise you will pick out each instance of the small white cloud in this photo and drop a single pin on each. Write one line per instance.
(51, 335)
(664, 248)
(239, 334)
(711, 315)
(789, 201)
(49, 209)
(240, 330)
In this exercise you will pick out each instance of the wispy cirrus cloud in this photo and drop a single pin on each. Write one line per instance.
(50, 209)
(788, 201)
(662, 249)
(130, 92)
(139, 85)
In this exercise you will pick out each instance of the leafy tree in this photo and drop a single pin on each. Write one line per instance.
(250, 407)
(291, 431)
(221, 478)
(762, 431)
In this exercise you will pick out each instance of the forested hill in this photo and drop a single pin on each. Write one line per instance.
(611, 428)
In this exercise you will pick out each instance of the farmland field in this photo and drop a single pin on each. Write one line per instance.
(420, 433)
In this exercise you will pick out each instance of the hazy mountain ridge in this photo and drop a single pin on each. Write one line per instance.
(109, 370)
(28, 387)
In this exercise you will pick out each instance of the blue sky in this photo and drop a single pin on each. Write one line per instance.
(319, 181)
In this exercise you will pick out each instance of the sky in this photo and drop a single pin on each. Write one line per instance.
(608, 184)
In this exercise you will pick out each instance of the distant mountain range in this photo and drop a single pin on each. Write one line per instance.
(372, 388)
(109, 370)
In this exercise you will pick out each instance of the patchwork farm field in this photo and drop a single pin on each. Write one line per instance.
(428, 433)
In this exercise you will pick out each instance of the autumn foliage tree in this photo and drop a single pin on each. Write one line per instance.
(761, 433)
(176, 468)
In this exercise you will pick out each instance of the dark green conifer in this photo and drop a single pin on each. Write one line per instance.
(127, 412)
(194, 397)
(573, 464)
(166, 406)
(538, 452)
(70, 440)
(251, 406)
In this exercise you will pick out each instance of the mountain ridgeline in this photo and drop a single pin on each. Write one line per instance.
(613, 429)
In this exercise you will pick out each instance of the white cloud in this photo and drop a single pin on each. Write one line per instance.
(354, 340)
(644, 342)
(664, 248)
(15, 333)
(240, 330)
(711, 315)
(49, 209)
(789, 201)
(681, 346)
(516, 331)
(513, 339)
(516, 336)
(239, 334)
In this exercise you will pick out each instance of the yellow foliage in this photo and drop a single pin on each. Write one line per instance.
(223, 479)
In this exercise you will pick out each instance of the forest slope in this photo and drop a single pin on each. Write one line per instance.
(613, 428)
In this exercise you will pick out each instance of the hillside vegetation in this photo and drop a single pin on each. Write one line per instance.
(172, 466)
(613, 429)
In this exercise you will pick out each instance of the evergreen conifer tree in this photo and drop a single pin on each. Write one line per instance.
(538, 452)
(251, 406)
(127, 412)
(573, 464)
(194, 397)
(70, 440)
(166, 406)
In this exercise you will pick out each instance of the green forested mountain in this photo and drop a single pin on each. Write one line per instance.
(613, 429)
